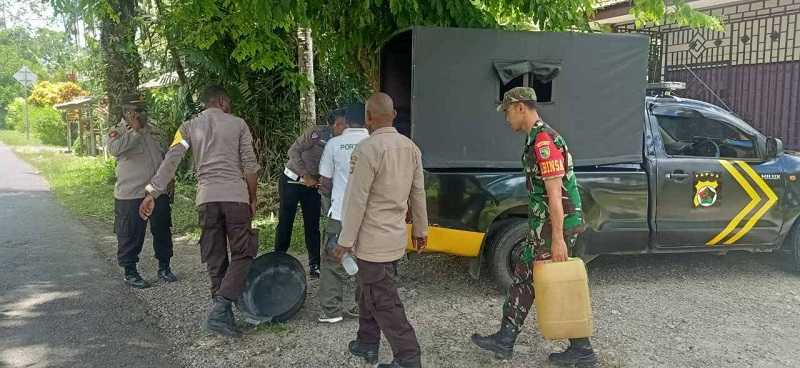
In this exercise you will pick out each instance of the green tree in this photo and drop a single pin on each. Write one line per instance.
(55, 52)
(17, 51)
(120, 53)
(251, 46)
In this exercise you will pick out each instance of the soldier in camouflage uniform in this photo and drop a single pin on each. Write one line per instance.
(548, 168)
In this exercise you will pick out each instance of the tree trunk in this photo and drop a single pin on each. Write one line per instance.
(123, 63)
(184, 81)
(305, 61)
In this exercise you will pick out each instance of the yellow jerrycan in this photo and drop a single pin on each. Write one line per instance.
(563, 305)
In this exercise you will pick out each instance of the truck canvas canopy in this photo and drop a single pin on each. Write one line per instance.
(447, 82)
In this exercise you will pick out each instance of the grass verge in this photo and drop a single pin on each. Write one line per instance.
(15, 138)
(85, 185)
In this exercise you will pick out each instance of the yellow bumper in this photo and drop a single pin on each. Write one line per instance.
(449, 241)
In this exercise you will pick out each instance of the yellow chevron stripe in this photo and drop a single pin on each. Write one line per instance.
(754, 199)
(771, 200)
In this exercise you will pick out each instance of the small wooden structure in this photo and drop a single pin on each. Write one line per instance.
(84, 106)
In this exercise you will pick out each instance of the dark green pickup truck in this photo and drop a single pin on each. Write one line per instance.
(708, 183)
(701, 179)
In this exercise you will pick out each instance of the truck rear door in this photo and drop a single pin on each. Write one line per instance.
(713, 185)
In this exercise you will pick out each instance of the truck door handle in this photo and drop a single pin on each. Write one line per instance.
(677, 176)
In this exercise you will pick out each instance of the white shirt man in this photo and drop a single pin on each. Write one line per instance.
(334, 169)
(335, 165)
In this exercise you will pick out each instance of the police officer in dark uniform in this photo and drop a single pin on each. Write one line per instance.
(138, 153)
(298, 184)
(554, 218)
(227, 181)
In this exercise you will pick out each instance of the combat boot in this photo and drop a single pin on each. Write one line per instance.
(415, 363)
(165, 273)
(579, 354)
(133, 279)
(220, 318)
(501, 343)
(367, 351)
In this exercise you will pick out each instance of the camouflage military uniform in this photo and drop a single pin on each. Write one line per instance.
(546, 156)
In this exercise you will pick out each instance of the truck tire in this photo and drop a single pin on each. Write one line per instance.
(505, 241)
(507, 238)
(792, 244)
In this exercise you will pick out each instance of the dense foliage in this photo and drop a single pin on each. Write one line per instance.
(45, 122)
(252, 48)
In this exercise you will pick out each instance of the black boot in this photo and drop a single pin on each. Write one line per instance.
(313, 271)
(579, 354)
(220, 318)
(367, 351)
(501, 343)
(133, 279)
(165, 273)
(416, 363)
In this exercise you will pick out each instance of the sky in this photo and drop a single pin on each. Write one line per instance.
(31, 14)
(35, 14)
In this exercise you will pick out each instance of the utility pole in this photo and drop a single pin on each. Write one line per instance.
(27, 122)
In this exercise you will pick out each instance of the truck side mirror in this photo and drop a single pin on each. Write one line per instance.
(774, 147)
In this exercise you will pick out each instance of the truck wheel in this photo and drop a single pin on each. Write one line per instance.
(509, 238)
(792, 244)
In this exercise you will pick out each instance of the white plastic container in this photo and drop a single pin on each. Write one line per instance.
(349, 264)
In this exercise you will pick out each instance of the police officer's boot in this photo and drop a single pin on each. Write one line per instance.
(367, 351)
(579, 354)
(165, 273)
(133, 279)
(415, 363)
(220, 318)
(501, 343)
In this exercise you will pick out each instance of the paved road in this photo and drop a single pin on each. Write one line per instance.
(61, 305)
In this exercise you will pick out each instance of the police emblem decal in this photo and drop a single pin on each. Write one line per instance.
(706, 189)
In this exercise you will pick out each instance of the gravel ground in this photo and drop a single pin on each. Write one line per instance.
(740, 310)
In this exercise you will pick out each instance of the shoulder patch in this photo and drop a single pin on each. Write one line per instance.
(113, 134)
(179, 140)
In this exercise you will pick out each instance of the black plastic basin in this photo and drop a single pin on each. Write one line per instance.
(275, 290)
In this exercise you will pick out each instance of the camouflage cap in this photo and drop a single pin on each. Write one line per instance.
(517, 94)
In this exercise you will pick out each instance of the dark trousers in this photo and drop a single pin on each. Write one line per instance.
(226, 227)
(131, 230)
(380, 309)
(310, 202)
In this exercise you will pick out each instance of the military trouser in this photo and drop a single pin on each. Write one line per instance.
(333, 277)
(226, 225)
(131, 230)
(519, 298)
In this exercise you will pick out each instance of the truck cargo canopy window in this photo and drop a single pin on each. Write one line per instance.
(541, 71)
(445, 83)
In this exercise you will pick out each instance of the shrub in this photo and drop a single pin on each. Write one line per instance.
(45, 93)
(46, 122)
